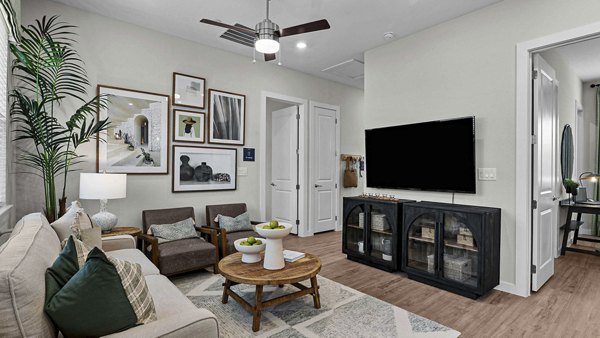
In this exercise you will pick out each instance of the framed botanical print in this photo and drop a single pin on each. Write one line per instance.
(188, 91)
(137, 139)
(188, 126)
(227, 117)
(204, 169)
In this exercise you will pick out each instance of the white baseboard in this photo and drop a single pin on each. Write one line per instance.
(509, 288)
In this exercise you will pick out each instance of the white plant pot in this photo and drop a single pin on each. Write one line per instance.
(250, 254)
(274, 251)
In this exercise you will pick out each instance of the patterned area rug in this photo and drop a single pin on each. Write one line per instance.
(344, 312)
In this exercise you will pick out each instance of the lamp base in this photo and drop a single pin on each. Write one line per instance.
(105, 220)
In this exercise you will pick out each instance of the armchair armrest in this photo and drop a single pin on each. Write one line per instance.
(149, 239)
(118, 242)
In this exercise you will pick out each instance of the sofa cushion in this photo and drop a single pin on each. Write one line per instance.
(175, 231)
(176, 315)
(62, 226)
(135, 256)
(31, 249)
(238, 223)
(185, 255)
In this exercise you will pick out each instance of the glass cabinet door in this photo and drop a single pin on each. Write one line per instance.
(381, 235)
(355, 225)
(421, 243)
(461, 250)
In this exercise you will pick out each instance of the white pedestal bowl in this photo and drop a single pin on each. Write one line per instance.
(250, 254)
(274, 252)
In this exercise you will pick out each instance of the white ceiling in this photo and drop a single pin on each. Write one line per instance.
(356, 25)
(584, 58)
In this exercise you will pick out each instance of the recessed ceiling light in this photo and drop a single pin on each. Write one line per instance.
(389, 35)
(301, 45)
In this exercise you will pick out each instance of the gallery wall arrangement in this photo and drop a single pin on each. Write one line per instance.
(137, 140)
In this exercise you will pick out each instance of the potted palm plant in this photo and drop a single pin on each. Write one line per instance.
(48, 71)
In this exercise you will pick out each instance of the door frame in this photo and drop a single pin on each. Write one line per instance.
(523, 172)
(338, 212)
(303, 156)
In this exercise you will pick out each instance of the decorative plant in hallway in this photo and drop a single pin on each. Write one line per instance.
(49, 72)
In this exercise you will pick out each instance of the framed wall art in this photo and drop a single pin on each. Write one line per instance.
(204, 169)
(137, 139)
(227, 117)
(188, 126)
(188, 91)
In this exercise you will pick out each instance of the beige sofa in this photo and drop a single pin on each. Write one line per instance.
(32, 248)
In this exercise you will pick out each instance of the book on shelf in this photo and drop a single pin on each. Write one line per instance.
(292, 256)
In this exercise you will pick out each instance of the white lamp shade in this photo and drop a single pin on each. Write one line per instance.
(266, 46)
(94, 186)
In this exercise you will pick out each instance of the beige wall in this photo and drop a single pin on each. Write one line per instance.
(467, 67)
(124, 55)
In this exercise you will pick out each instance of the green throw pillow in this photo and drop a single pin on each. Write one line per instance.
(69, 261)
(239, 223)
(172, 232)
(99, 296)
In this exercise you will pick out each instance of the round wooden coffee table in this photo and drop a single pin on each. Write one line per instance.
(236, 272)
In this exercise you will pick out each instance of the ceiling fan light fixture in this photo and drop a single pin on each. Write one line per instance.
(266, 46)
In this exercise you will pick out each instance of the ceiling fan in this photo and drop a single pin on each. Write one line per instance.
(267, 33)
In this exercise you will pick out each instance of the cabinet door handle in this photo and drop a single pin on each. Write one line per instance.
(318, 186)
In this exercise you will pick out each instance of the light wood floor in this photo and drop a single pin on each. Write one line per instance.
(567, 306)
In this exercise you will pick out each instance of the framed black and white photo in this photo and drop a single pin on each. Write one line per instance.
(188, 126)
(188, 91)
(137, 138)
(204, 169)
(227, 117)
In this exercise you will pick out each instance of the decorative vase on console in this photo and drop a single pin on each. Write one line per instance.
(186, 171)
(203, 172)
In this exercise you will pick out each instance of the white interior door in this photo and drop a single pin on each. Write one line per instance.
(324, 166)
(545, 214)
(284, 165)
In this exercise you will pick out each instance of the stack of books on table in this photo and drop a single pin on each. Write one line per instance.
(292, 256)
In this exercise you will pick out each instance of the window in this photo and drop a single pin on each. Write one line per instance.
(3, 112)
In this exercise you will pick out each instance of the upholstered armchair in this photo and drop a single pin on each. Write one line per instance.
(228, 238)
(182, 255)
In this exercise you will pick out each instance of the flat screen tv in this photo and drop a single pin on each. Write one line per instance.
(432, 156)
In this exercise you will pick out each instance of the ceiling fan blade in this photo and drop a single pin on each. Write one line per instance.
(224, 25)
(270, 57)
(305, 28)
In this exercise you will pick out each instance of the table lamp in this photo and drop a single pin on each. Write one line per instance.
(103, 187)
(582, 197)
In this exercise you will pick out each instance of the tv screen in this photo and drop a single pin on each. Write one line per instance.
(434, 156)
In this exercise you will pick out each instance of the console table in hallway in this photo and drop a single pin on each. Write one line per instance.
(579, 209)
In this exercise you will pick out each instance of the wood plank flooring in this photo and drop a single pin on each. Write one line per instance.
(567, 306)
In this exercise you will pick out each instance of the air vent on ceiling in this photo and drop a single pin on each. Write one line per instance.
(239, 37)
(353, 69)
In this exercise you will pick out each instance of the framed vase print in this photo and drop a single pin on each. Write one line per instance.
(188, 91)
(137, 138)
(188, 126)
(227, 117)
(204, 169)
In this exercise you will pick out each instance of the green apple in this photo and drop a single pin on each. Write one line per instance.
(251, 240)
(273, 224)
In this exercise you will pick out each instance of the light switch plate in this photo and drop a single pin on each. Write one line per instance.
(242, 171)
(487, 174)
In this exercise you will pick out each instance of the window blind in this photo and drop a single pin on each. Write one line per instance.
(3, 111)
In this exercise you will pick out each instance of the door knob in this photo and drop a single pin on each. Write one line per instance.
(554, 198)
(273, 184)
(318, 186)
